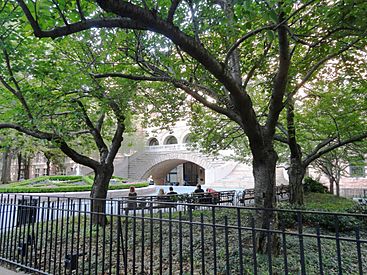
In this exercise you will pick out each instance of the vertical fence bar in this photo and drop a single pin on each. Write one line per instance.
(84, 236)
(96, 261)
(46, 233)
(239, 232)
(3, 213)
(180, 240)
(14, 230)
(51, 236)
(142, 256)
(56, 232)
(191, 242)
(67, 234)
(151, 237)
(41, 236)
(359, 254)
(61, 235)
(119, 234)
(214, 241)
(170, 240)
(202, 243)
(337, 240)
(319, 251)
(160, 243)
(78, 236)
(284, 245)
(134, 241)
(90, 237)
(104, 242)
(29, 219)
(72, 253)
(301, 246)
(7, 229)
(12, 214)
(254, 244)
(227, 244)
(269, 248)
(126, 245)
(111, 238)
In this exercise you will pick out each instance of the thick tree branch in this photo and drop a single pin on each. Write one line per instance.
(132, 77)
(281, 80)
(75, 156)
(102, 147)
(311, 157)
(79, 26)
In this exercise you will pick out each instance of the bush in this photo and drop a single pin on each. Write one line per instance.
(311, 185)
(36, 185)
(324, 203)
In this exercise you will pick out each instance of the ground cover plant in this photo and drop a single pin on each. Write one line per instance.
(196, 240)
(46, 184)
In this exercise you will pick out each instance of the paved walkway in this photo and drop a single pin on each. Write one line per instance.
(4, 271)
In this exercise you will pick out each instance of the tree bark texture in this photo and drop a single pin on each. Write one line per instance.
(296, 173)
(6, 165)
(98, 194)
(331, 185)
(19, 172)
(265, 182)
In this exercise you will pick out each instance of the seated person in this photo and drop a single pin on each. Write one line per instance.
(243, 197)
(213, 194)
(198, 189)
(171, 195)
(171, 192)
(161, 195)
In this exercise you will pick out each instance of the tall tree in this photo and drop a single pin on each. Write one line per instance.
(224, 55)
(50, 97)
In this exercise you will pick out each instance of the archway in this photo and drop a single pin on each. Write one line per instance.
(177, 172)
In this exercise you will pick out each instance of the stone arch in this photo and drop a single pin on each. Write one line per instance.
(170, 140)
(142, 170)
(153, 142)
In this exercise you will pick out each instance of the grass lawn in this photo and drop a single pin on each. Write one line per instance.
(328, 202)
(47, 184)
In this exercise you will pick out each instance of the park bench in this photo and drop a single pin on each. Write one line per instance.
(213, 197)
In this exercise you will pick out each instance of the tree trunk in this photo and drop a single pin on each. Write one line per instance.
(264, 166)
(27, 164)
(98, 195)
(331, 185)
(337, 187)
(6, 165)
(296, 173)
(19, 158)
(48, 165)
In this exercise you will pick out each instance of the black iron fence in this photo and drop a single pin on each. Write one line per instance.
(50, 235)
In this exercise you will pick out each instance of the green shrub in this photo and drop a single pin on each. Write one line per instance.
(40, 185)
(324, 203)
(311, 185)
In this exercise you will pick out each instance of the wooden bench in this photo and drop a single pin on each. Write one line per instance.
(213, 197)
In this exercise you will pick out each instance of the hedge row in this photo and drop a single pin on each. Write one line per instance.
(65, 186)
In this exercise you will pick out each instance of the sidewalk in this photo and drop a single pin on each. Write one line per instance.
(4, 271)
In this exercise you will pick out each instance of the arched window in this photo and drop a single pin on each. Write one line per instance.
(153, 142)
(187, 139)
(171, 140)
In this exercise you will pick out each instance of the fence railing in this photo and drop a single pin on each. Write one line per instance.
(50, 235)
